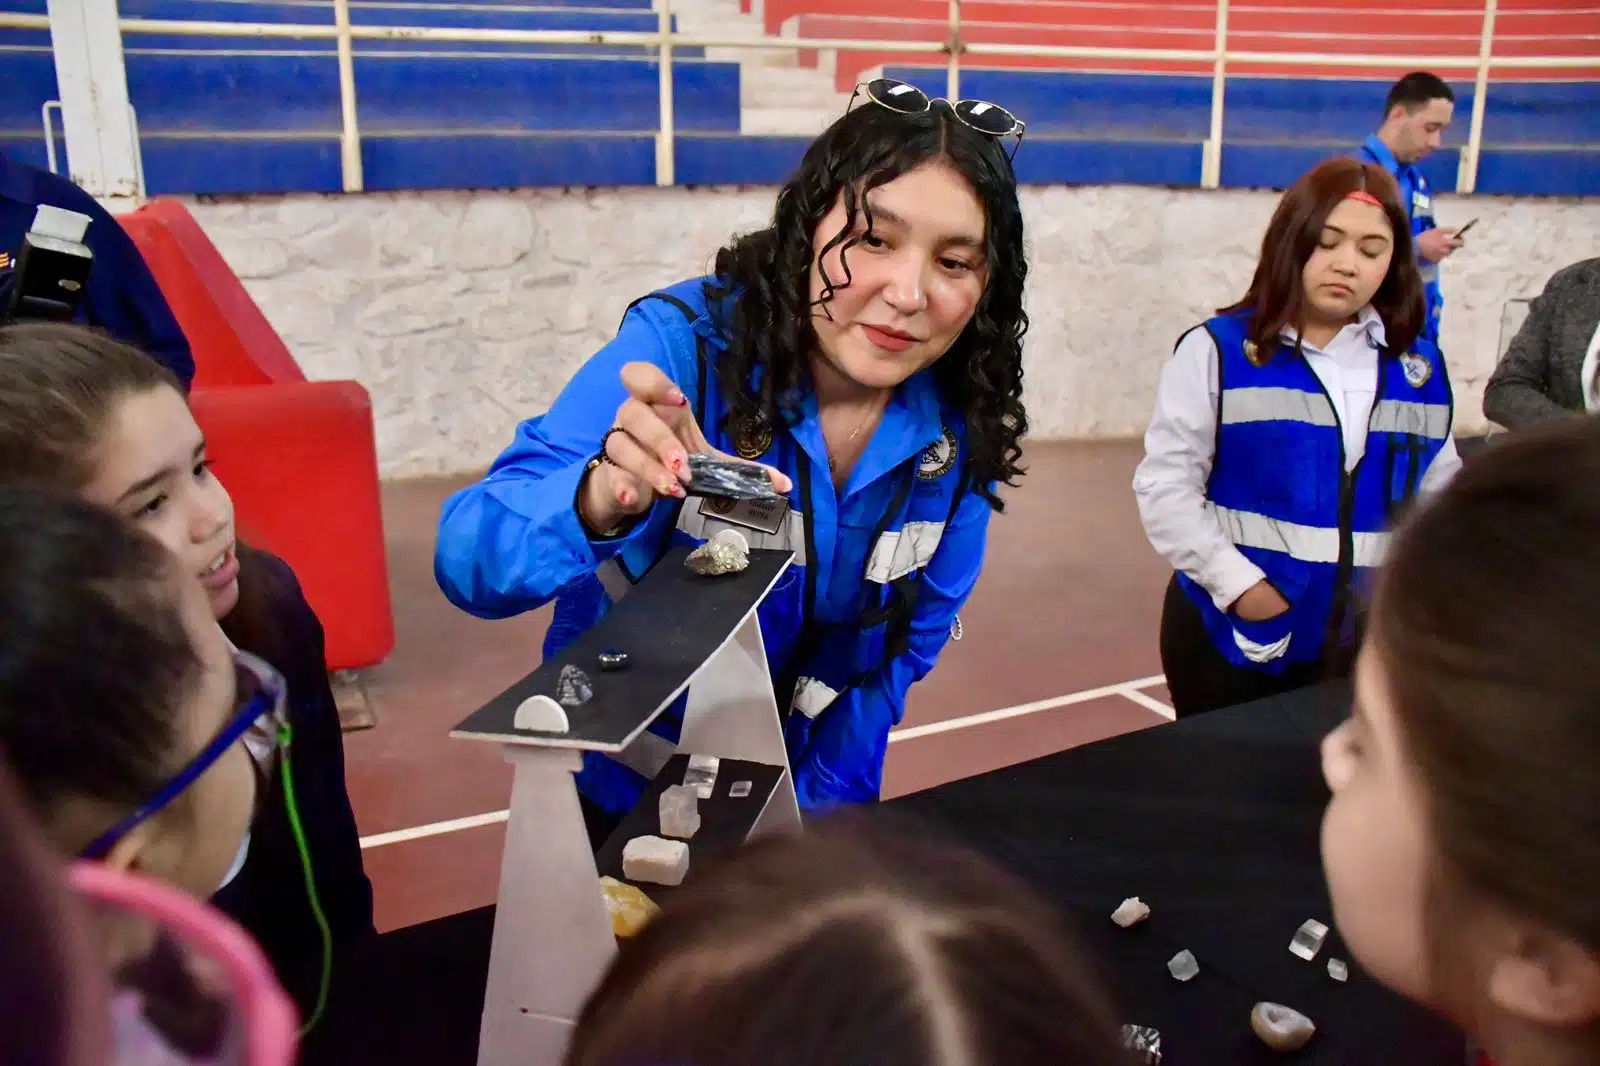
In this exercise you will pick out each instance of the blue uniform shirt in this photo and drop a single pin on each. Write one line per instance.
(122, 298)
(1418, 201)
(513, 542)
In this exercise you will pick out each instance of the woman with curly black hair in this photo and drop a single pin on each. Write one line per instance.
(866, 348)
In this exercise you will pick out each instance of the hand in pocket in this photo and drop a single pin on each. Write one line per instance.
(1261, 602)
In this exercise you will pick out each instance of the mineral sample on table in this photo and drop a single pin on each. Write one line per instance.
(726, 553)
(1144, 1042)
(1308, 939)
(739, 789)
(680, 812)
(1183, 965)
(1339, 970)
(629, 908)
(1281, 1028)
(573, 687)
(729, 479)
(612, 659)
(702, 774)
(654, 860)
(1131, 911)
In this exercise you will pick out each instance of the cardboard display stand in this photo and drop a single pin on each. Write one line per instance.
(552, 935)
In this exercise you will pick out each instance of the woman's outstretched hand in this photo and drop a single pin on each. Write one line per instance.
(646, 453)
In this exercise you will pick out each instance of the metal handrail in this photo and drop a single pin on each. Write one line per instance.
(665, 39)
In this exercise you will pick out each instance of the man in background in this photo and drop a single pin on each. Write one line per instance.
(121, 296)
(1415, 116)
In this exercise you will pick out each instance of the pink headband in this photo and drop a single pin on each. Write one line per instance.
(1365, 197)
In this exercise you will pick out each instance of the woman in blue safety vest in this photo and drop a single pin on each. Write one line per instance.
(1288, 431)
(866, 348)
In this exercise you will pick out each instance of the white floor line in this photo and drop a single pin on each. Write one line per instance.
(967, 721)
(1126, 689)
(1149, 702)
(454, 825)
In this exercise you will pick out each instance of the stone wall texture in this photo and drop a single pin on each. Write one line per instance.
(465, 312)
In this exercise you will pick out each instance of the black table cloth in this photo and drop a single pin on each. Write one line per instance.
(1213, 821)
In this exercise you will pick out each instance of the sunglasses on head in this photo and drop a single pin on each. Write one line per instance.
(906, 99)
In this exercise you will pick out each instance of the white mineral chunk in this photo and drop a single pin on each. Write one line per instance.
(540, 714)
(1281, 1028)
(1132, 911)
(1308, 939)
(1338, 969)
(656, 861)
(726, 553)
(740, 789)
(1183, 965)
(680, 812)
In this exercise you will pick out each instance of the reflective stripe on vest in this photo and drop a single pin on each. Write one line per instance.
(900, 551)
(1309, 544)
(1417, 419)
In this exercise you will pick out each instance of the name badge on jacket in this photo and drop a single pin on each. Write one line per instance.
(763, 516)
(1421, 203)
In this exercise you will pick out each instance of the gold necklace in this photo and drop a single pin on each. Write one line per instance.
(833, 464)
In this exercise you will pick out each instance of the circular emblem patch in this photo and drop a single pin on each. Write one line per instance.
(718, 505)
(752, 437)
(1416, 368)
(938, 457)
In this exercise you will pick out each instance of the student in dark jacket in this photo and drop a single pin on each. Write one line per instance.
(82, 413)
(122, 297)
(1552, 368)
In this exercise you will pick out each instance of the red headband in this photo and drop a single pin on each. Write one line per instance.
(1365, 197)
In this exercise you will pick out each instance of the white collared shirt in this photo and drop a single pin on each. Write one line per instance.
(1180, 445)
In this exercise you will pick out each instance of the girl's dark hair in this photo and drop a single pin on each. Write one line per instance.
(1277, 291)
(853, 943)
(94, 656)
(60, 386)
(1487, 623)
(766, 368)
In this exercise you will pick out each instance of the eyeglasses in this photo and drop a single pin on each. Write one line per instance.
(260, 721)
(906, 99)
(188, 986)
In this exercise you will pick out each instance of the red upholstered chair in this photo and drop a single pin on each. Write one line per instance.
(297, 456)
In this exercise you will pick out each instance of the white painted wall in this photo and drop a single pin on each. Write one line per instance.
(464, 312)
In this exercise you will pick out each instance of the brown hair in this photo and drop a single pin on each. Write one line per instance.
(60, 385)
(1487, 623)
(1276, 296)
(853, 943)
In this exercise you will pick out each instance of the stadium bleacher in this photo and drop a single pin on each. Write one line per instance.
(225, 114)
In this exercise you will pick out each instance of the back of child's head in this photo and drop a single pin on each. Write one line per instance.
(857, 942)
(60, 385)
(95, 658)
(1486, 625)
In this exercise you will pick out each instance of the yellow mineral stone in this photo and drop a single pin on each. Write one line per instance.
(630, 909)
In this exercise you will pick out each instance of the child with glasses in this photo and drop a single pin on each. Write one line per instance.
(83, 414)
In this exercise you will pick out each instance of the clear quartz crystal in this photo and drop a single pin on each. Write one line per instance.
(1144, 1042)
(680, 812)
(739, 790)
(1338, 969)
(573, 687)
(702, 774)
(1308, 939)
(1183, 965)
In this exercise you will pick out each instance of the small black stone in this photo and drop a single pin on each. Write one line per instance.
(612, 659)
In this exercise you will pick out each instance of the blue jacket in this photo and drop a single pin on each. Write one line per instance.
(1418, 201)
(880, 571)
(1279, 488)
(122, 297)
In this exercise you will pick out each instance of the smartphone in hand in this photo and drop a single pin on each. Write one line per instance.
(1462, 232)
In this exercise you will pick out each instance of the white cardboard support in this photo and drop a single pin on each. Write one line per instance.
(552, 935)
(102, 142)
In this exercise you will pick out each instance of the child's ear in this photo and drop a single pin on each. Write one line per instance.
(1547, 978)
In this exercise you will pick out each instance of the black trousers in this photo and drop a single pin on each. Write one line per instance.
(1201, 679)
